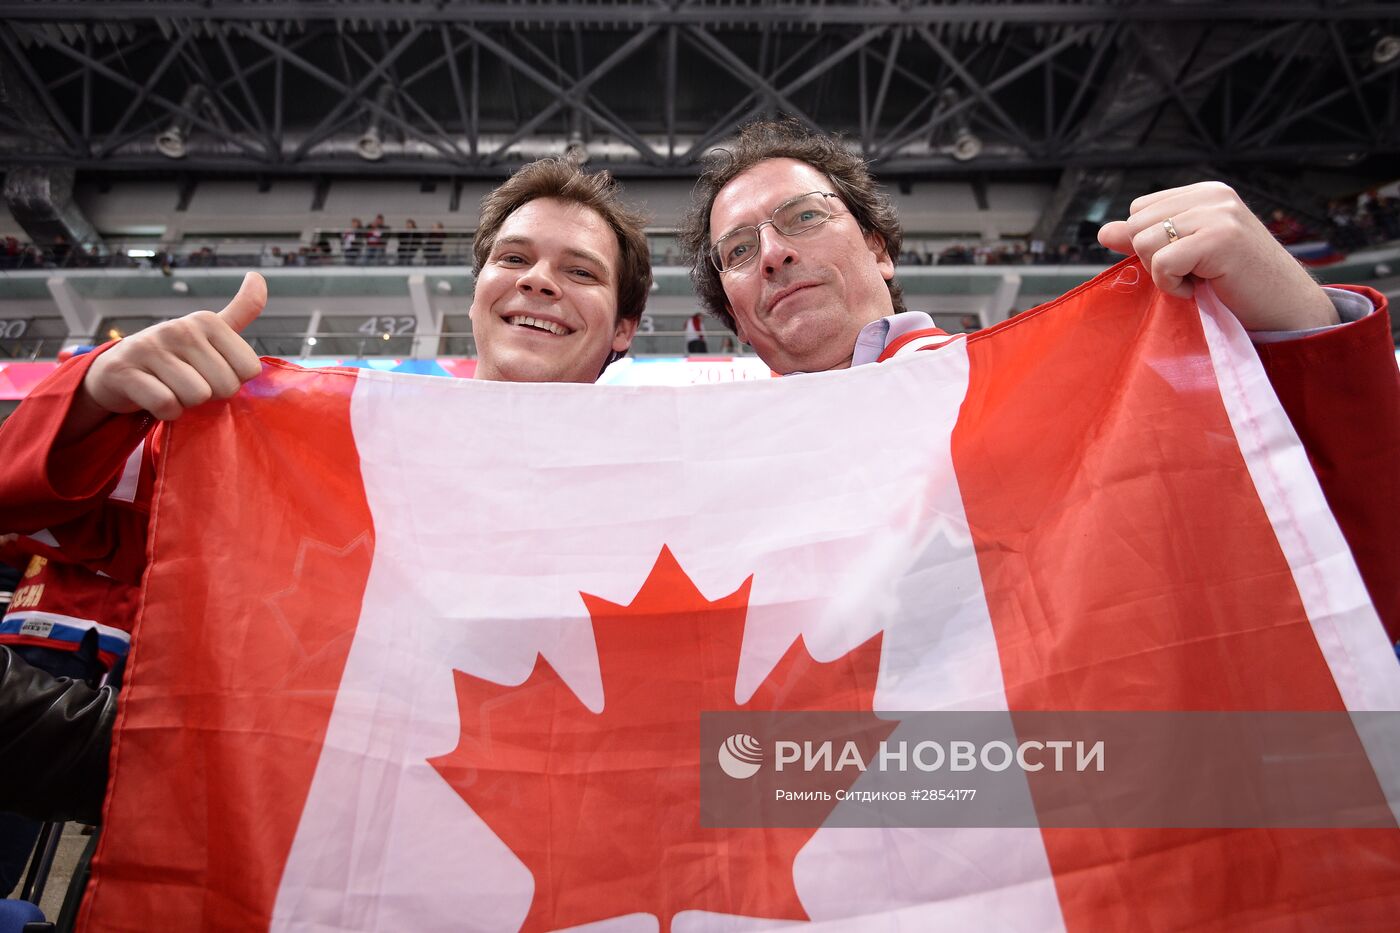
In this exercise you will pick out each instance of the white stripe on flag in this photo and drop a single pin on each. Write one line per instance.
(1343, 619)
(826, 488)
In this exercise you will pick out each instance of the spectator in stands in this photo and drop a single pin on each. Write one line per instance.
(695, 335)
(61, 251)
(376, 240)
(1387, 213)
(1346, 235)
(407, 249)
(1285, 227)
(352, 241)
(955, 255)
(435, 245)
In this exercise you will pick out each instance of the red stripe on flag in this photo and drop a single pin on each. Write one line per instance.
(212, 768)
(1135, 568)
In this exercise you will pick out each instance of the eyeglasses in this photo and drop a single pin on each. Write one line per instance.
(793, 217)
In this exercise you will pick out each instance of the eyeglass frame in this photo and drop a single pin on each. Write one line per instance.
(758, 228)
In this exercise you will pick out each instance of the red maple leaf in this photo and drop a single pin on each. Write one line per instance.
(603, 808)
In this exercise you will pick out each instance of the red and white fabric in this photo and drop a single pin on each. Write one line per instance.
(1098, 505)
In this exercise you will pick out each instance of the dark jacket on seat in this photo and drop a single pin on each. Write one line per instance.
(55, 735)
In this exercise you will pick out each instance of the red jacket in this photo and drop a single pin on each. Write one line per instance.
(56, 604)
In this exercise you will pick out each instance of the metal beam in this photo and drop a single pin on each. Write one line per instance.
(833, 64)
(1283, 122)
(1169, 82)
(976, 88)
(1106, 41)
(575, 95)
(1001, 81)
(449, 53)
(723, 56)
(791, 14)
(131, 85)
(1350, 72)
(350, 96)
(36, 84)
(1175, 89)
(273, 149)
(166, 60)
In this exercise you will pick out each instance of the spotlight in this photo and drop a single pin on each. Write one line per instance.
(444, 286)
(1386, 51)
(170, 142)
(370, 145)
(179, 286)
(966, 146)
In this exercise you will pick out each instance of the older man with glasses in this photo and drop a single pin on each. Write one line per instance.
(792, 246)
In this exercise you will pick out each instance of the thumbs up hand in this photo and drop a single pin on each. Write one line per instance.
(179, 364)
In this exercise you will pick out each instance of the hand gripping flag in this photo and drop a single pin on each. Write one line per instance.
(418, 654)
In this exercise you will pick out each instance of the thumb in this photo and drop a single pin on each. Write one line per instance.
(247, 304)
(1116, 236)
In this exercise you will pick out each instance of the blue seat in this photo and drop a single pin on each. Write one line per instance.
(15, 914)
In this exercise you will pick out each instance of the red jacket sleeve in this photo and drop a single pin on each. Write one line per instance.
(60, 496)
(1341, 389)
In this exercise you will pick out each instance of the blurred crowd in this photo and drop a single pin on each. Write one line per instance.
(378, 244)
(1351, 224)
(1015, 253)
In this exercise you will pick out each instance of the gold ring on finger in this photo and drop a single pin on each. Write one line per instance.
(1172, 235)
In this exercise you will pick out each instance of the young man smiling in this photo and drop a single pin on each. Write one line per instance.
(562, 276)
(563, 273)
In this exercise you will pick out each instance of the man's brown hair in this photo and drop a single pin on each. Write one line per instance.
(784, 139)
(564, 181)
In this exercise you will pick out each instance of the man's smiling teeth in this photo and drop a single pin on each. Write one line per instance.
(559, 330)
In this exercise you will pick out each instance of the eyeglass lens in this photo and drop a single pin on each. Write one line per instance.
(791, 218)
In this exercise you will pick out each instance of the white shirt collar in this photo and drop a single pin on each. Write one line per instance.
(877, 335)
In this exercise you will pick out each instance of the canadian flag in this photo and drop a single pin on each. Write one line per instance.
(422, 654)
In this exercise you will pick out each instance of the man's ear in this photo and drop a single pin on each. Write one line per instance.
(623, 333)
(883, 262)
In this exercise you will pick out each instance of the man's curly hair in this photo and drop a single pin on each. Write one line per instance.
(783, 139)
